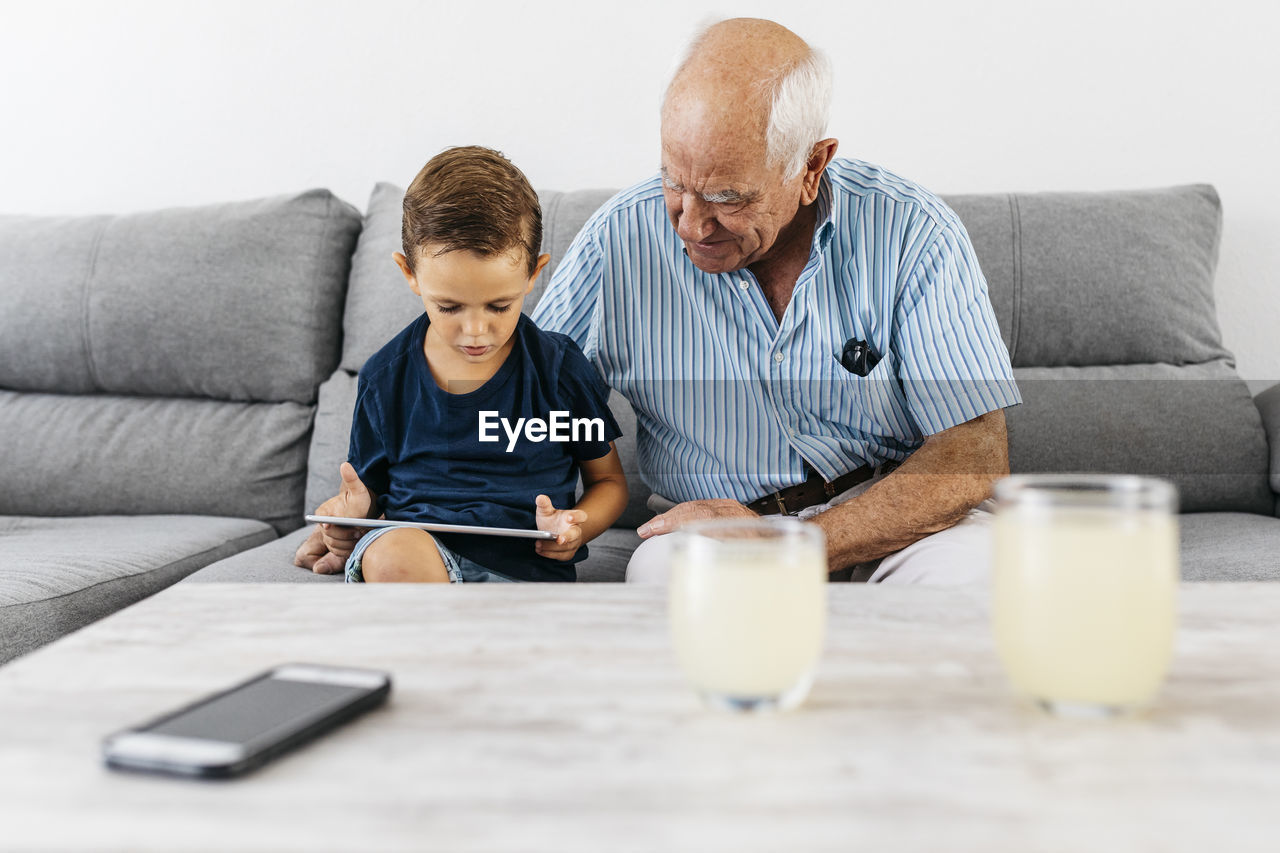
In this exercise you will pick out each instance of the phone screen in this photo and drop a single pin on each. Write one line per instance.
(258, 710)
(234, 731)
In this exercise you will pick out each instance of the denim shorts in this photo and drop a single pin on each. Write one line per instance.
(461, 569)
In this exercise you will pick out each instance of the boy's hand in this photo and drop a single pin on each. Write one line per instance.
(564, 523)
(314, 555)
(352, 501)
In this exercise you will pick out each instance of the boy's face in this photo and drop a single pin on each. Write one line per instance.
(473, 301)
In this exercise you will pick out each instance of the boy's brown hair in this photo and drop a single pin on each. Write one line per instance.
(471, 198)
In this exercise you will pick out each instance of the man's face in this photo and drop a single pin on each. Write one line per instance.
(725, 203)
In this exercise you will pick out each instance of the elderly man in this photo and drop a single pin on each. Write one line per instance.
(796, 333)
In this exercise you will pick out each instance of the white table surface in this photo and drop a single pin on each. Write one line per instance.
(552, 717)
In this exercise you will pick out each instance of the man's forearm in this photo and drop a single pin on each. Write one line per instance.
(950, 474)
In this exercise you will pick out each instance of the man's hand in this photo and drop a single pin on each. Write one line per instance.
(564, 523)
(682, 514)
(352, 501)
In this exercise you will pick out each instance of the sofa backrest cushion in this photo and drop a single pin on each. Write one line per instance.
(1105, 301)
(101, 454)
(1100, 278)
(1195, 425)
(168, 361)
(379, 301)
(235, 301)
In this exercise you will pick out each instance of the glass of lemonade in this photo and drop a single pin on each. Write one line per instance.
(748, 607)
(1084, 589)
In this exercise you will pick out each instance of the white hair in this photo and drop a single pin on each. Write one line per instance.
(799, 103)
(801, 107)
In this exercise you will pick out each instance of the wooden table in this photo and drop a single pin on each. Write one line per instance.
(549, 717)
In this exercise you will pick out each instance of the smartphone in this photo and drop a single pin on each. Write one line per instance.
(241, 728)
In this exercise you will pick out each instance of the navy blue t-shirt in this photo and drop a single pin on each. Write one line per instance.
(418, 448)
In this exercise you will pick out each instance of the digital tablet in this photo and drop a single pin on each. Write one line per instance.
(433, 527)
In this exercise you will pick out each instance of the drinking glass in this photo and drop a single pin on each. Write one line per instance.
(748, 607)
(1084, 589)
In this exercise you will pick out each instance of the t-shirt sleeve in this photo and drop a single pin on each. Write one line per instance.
(952, 362)
(571, 303)
(585, 396)
(367, 450)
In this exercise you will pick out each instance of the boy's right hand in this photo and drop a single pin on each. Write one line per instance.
(352, 501)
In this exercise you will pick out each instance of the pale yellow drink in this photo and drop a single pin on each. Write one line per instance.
(1084, 606)
(748, 614)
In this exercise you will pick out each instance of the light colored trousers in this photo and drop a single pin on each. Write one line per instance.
(957, 555)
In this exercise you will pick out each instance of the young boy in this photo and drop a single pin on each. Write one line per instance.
(432, 435)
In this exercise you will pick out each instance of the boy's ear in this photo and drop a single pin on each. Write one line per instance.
(543, 259)
(403, 263)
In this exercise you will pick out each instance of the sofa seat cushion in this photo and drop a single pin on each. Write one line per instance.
(1230, 546)
(269, 563)
(609, 553)
(58, 574)
(273, 562)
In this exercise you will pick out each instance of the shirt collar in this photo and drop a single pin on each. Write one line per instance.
(825, 223)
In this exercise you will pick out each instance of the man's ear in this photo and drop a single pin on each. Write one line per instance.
(403, 263)
(819, 158)
(543, 259)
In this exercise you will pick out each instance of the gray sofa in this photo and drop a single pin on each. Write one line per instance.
(176, 387)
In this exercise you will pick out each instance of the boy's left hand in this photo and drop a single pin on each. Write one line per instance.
(564, 523)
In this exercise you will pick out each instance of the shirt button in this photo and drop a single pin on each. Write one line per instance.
(777, 357)
(744, 284)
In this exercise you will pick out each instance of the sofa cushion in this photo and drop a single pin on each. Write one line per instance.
(97, 454)
(379, 301)
(610, 552)
(1230, 546)
(1268, 403)
(59, 574)
(1216, 546)
(330, 437)
(1195, 425)
(563, 215)
(1100, 277)
(269, 563)
(236, 301)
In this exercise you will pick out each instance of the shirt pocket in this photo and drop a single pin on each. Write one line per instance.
(872, 405)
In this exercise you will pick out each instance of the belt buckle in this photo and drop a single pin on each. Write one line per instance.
(782, 505)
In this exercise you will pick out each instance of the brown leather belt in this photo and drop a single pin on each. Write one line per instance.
(814, 490)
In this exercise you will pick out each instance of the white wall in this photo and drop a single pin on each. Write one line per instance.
(119, 106)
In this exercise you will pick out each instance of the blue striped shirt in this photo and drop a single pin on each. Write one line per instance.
(732, 402)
